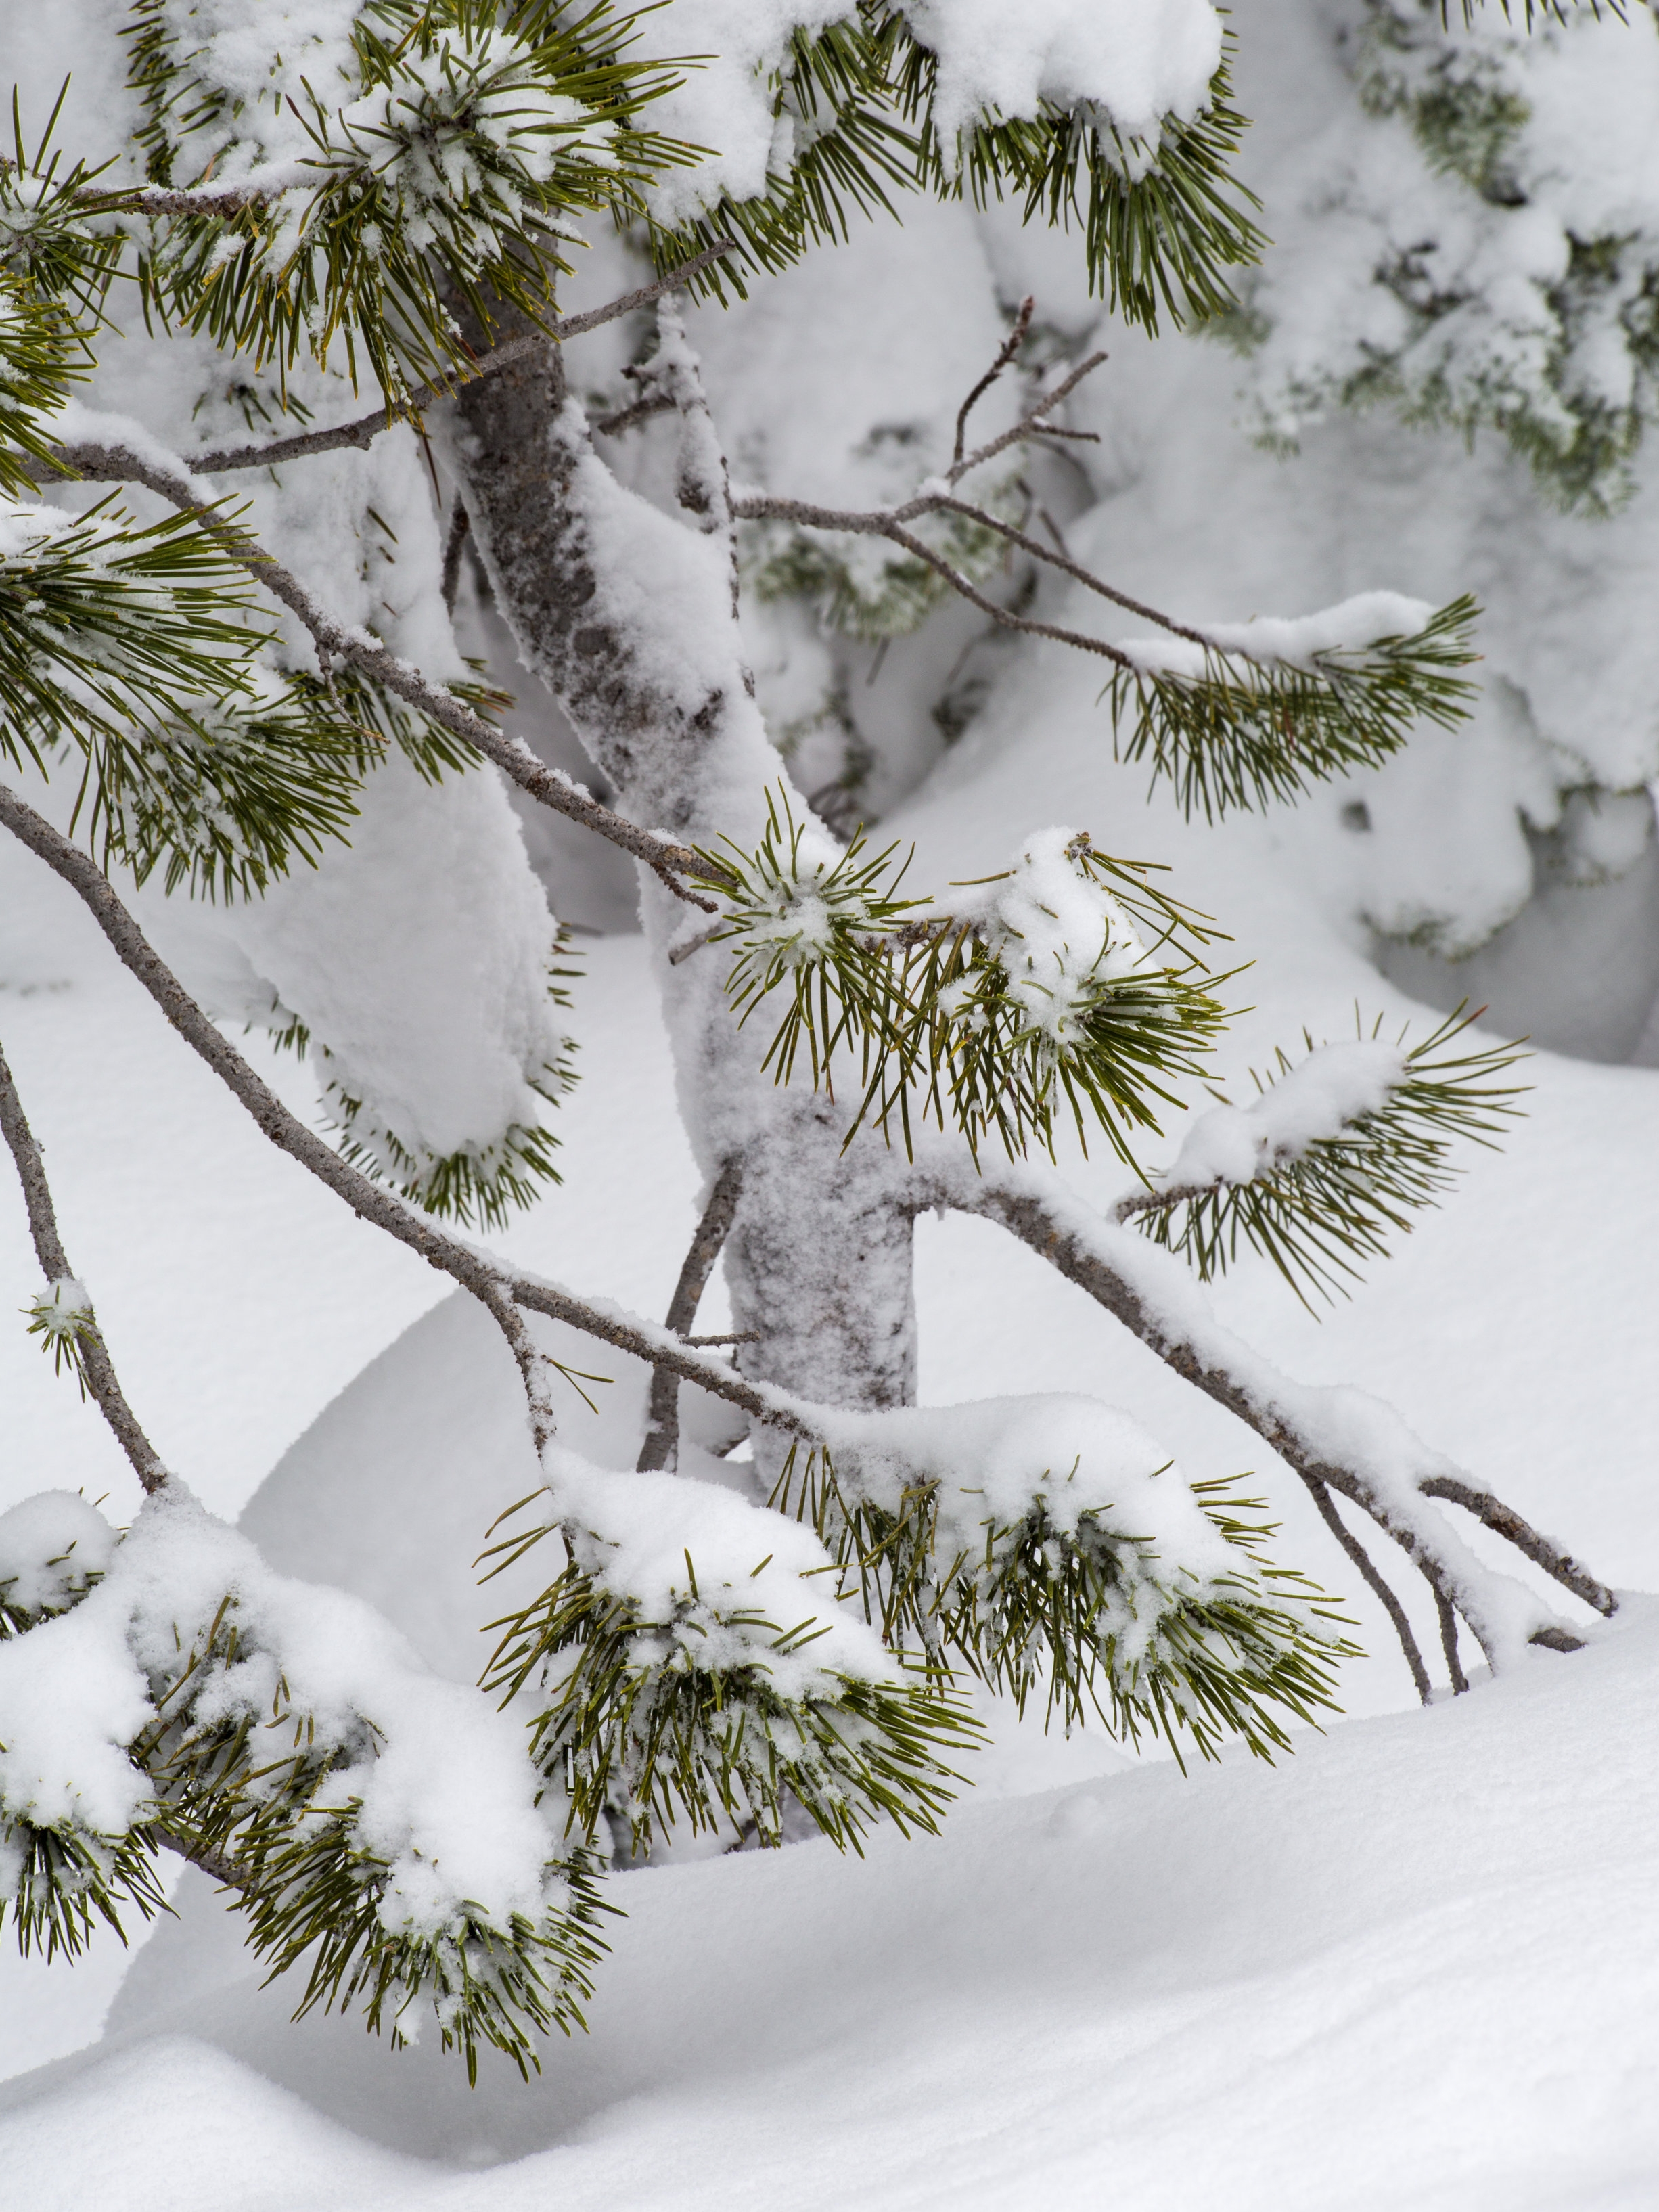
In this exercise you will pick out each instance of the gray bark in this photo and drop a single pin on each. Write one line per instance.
(819, 1257)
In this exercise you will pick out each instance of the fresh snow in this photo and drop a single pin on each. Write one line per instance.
(1336, 1084)
(1412, 1965)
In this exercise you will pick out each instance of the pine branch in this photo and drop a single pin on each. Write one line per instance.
(1162, 220)
(1235, 729)
(467, 142)
(1111, 1267)
(1067, 1602)
(71, 1323)
(336, 643)
(705, 1709)
(1315, 1189)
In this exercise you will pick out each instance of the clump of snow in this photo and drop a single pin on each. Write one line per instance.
(428, 924)
(1059, 934)
(1296, 641)
(1136, 61)
(993, 1462)
(1334, 1086)
(54, 1546)
(693, 1557)
(60, 1312)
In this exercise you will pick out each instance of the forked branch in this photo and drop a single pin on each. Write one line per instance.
(501, 1289)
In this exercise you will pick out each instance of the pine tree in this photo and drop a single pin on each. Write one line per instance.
(207, 705)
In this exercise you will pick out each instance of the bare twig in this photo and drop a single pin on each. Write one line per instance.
(1503, 1520)
(1032, 425)
(662, 1428)
(627, 418)
(1460, 1681)
(362, 432)
(94, 1357)
(756, 506)
(1385, 1597)
(1011, 346)
(892, 523)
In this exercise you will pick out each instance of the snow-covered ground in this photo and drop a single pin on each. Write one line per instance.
(1415, 1964)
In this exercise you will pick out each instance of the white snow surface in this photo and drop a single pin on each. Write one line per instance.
(51, 1545)
(1375, 1977)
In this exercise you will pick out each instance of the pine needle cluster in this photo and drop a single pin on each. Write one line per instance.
(1090, 1617)
(1318, 1212)
(1245, 732)
(701, 1712)
(973, 1018)
(1161, 223)
(450, 166)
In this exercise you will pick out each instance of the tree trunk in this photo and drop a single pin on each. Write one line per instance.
(820, 1260)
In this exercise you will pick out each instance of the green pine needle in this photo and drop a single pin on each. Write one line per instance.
(639, 1724)
(1318, 1214)
(1247, 732)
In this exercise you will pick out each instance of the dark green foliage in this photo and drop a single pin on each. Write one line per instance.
(1160, 225)
(39, 357)
(105, 627)
(1318, 1214)
(955, 1018)
(664, 1718)
(259, 1796)
(224, 801)
(314, 1902)
(54, 271)
(1092, 1618)
(65, 1883)
(455, 187)
(1244, 732)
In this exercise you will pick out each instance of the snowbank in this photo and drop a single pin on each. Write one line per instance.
(1415, 1966)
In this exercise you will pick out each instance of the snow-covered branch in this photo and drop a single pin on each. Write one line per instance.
(337, 642)
(1351, 1443)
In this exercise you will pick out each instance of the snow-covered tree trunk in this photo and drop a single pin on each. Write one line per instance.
(628, 616)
